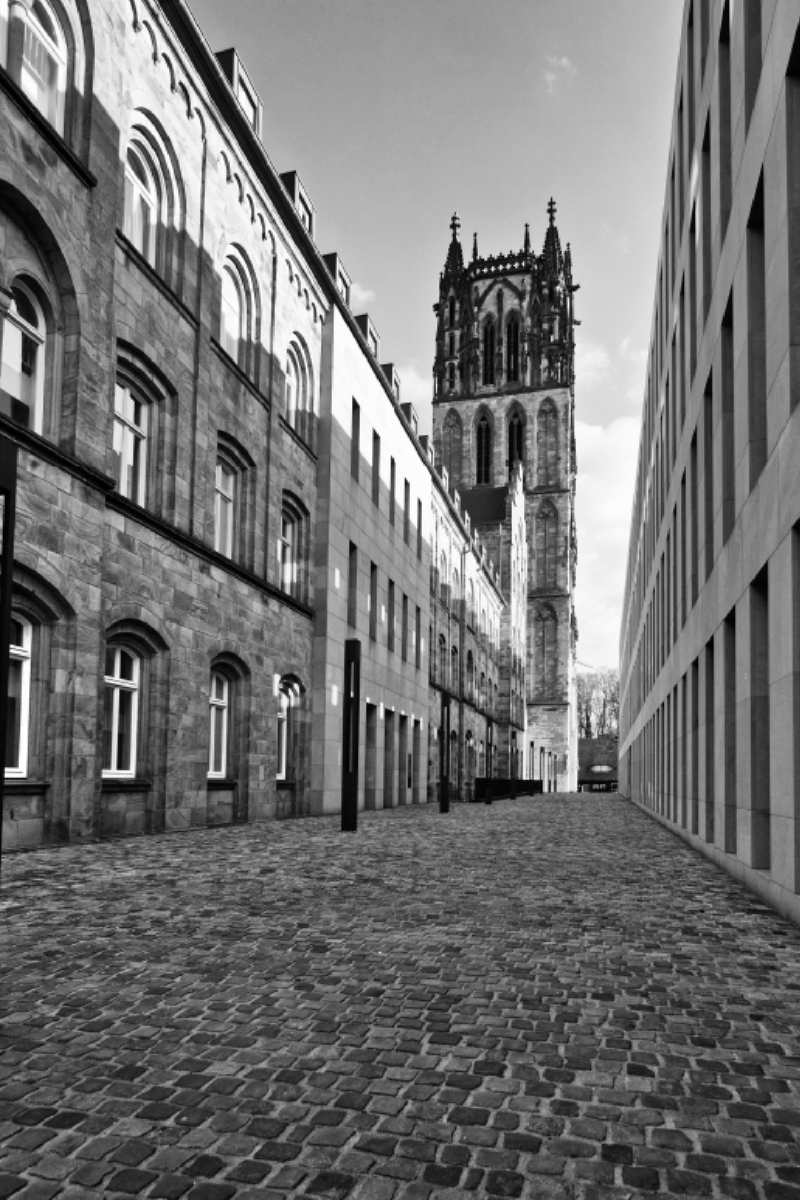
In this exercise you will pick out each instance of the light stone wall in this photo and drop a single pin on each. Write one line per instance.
(710, 672)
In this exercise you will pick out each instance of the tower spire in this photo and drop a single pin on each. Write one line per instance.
(527, 243)
(455, 258)
(474, 247)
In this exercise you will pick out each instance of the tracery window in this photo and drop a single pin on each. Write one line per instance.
(489, 344)
(516, 440)
(483, 472)
(512, 349)
(547, 444)
(451, 445)
(547, 546)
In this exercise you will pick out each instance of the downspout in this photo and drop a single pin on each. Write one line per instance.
(198, 315)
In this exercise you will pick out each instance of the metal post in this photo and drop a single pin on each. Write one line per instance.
(489, 772)
(8, 497)
(352, 710)
(444, 773)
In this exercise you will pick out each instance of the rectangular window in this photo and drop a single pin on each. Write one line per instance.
(756, 336)
(724, 79)
(392, 489)
(352, 586)
(726, 384)
(373, 601)
(121, 711)
(224, 503)
(376, 468)
(404, 631)
(19, 698)
(751, 11)
(418, 637)
(407, 513)
(130, 444)
(355, 440)
(390, 631)
(419, 529)
(705, 221)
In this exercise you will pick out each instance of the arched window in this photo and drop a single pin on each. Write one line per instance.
(442, 661)
(219, 725)
(292, 388)
(130, 442)
(451, 446)
(300, 413)
(443, 578)
(489, 343)
(470, 680)
(547, 546)
(232, 322)
(225, 505)
(482, 691)
(19, 698)
(40, 53)
(142, 202)
(471, 611)
(23, 367)
(454, 669)
(292, 543)
(290, 692)
(547, 444)
(456, 593)
(483, 473)
(452, 311)
(512, 349)
(516, 440)
(122, 672)
(453, 759)
(545, 669)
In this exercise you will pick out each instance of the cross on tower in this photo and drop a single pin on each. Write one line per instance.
(551, 210)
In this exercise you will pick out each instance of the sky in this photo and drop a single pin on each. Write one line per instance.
(396, 114)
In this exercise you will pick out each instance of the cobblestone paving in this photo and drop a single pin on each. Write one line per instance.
(546, 998)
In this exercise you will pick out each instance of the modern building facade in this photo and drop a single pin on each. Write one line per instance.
(219, 483)
(710, 642)
(504, 398)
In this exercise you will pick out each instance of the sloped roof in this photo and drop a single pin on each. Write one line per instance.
(597, 752)
(485, 504)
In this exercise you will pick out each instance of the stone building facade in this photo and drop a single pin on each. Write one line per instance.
(219, 484)
(467, 611)
(503, 396)
(710, 641)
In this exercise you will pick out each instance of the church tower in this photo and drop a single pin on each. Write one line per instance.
(504, 395)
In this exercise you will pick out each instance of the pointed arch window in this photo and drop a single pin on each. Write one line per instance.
(516, 441)
(547, 546)
(545, 670)
(512, 349)
(483, 473)
(451, 446)
(489, 344)
(547, 445)
(22, 370)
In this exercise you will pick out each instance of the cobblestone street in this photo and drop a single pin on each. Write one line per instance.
(545, 998)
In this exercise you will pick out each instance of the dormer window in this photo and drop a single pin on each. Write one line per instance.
(248, 103)
(343, 288)
(373, 343)
(306, 216)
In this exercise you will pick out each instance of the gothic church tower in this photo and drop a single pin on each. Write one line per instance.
(504, 394)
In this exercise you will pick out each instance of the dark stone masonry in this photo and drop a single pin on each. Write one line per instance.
(548, 998)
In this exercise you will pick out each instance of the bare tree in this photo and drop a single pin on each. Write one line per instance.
(598, 702)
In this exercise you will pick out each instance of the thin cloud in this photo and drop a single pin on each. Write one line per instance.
(558, 68)
(606, 470)
(360, 296)
(416, 387)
